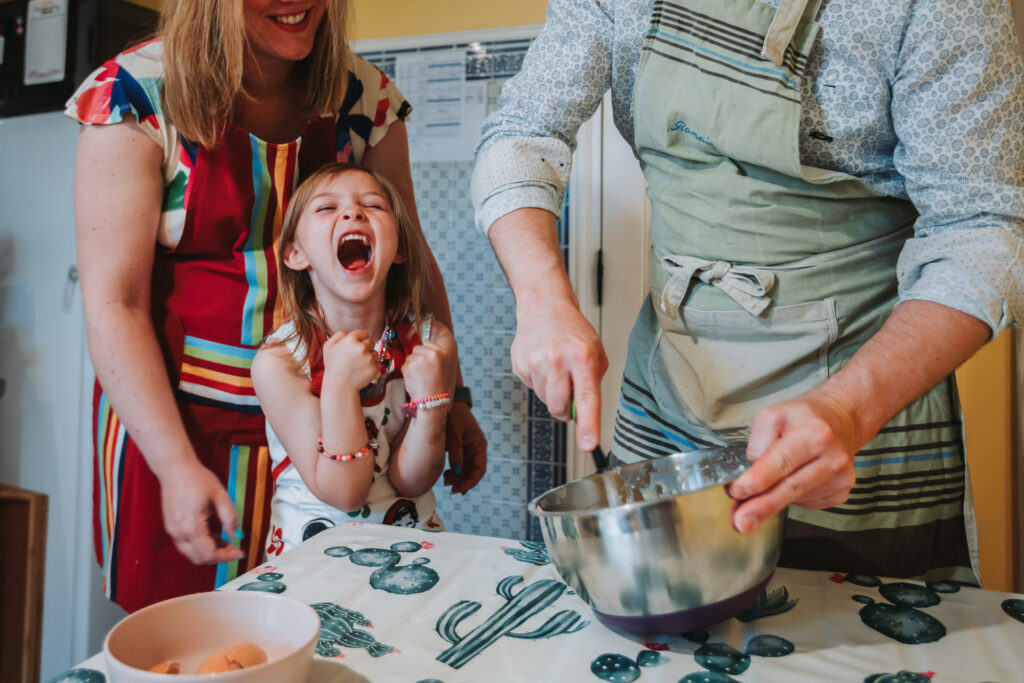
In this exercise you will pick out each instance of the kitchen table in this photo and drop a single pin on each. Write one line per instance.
(402, 604)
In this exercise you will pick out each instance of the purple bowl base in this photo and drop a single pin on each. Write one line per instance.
(687, 619)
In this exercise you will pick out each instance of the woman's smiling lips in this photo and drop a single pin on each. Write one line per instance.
(293, 23)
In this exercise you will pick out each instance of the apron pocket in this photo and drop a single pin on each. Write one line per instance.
(718, 368)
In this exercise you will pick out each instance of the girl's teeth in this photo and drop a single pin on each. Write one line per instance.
(291, 19)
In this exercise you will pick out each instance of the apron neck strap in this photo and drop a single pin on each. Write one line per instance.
(783, 26)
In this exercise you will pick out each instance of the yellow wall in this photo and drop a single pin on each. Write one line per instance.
(990, 417)
(376, 19)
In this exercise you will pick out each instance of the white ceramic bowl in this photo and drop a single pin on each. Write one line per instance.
(191, 628)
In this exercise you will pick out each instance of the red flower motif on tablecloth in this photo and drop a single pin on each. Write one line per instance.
(264, 570)
(657, 647)
(927, 674)
(426, 545)
(837, 578)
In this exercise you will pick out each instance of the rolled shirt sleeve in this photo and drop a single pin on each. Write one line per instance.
(525, 152)
(957, 109)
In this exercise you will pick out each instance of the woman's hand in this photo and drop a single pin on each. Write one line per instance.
(193, 499)
(349, 360)
(467, 453)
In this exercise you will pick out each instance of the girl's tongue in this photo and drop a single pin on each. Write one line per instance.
(354, 252)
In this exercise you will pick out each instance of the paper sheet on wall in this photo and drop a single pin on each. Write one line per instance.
(448, 110)
(46, 41)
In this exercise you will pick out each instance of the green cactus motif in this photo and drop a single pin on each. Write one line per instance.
(338, 627)
(407, 579)
(535, 553)
(519, 607)
(768, 605)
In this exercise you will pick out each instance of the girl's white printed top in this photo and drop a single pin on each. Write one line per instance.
(922, 99)
(296, 514)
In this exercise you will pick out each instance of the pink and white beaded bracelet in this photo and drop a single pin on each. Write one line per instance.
(409, 409)
(344, 457)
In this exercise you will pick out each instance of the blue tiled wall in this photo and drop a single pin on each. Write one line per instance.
(526, 452)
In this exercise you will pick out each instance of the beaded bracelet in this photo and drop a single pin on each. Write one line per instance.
(345, 457)
(409, 409)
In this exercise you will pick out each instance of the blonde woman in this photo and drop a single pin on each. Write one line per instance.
(196, 141)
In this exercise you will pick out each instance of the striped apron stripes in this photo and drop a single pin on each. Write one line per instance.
(214, 299)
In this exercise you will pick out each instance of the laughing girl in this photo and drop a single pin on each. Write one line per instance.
(357, 383)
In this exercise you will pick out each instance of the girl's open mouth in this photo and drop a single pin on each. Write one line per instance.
(354, 251)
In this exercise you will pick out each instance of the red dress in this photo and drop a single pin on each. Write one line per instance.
(214, 297)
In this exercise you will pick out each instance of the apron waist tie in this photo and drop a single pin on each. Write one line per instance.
(748, 286)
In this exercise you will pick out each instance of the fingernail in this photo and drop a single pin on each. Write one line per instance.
(589, 443)
(746, 523)
(738, 492)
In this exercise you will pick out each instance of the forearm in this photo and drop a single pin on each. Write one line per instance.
(919, 345)
(342, 484)
(556, 351)
(419, 459)
(526, 244)
(130, 367)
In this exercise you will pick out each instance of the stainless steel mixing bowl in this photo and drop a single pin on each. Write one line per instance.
(650, 545)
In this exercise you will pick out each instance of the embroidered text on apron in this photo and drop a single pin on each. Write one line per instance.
(766, 276)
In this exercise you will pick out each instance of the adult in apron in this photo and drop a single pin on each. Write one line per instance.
(213, 299)
(766, 277)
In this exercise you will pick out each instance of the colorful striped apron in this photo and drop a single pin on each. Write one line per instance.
(766, 277)
(213, 300)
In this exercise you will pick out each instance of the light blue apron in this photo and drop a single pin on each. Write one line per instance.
(767, 276)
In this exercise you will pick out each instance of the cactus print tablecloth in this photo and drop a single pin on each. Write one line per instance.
(407, 605)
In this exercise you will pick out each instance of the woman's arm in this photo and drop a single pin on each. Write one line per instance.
(418, 459)
(391, 158)
(298, 418)
(118, 195)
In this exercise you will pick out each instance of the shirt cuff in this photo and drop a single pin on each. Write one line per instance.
(520, 172)
(978, 271)
(514, 197)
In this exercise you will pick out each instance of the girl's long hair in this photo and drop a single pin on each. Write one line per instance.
(406, 282)
(204, 58)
